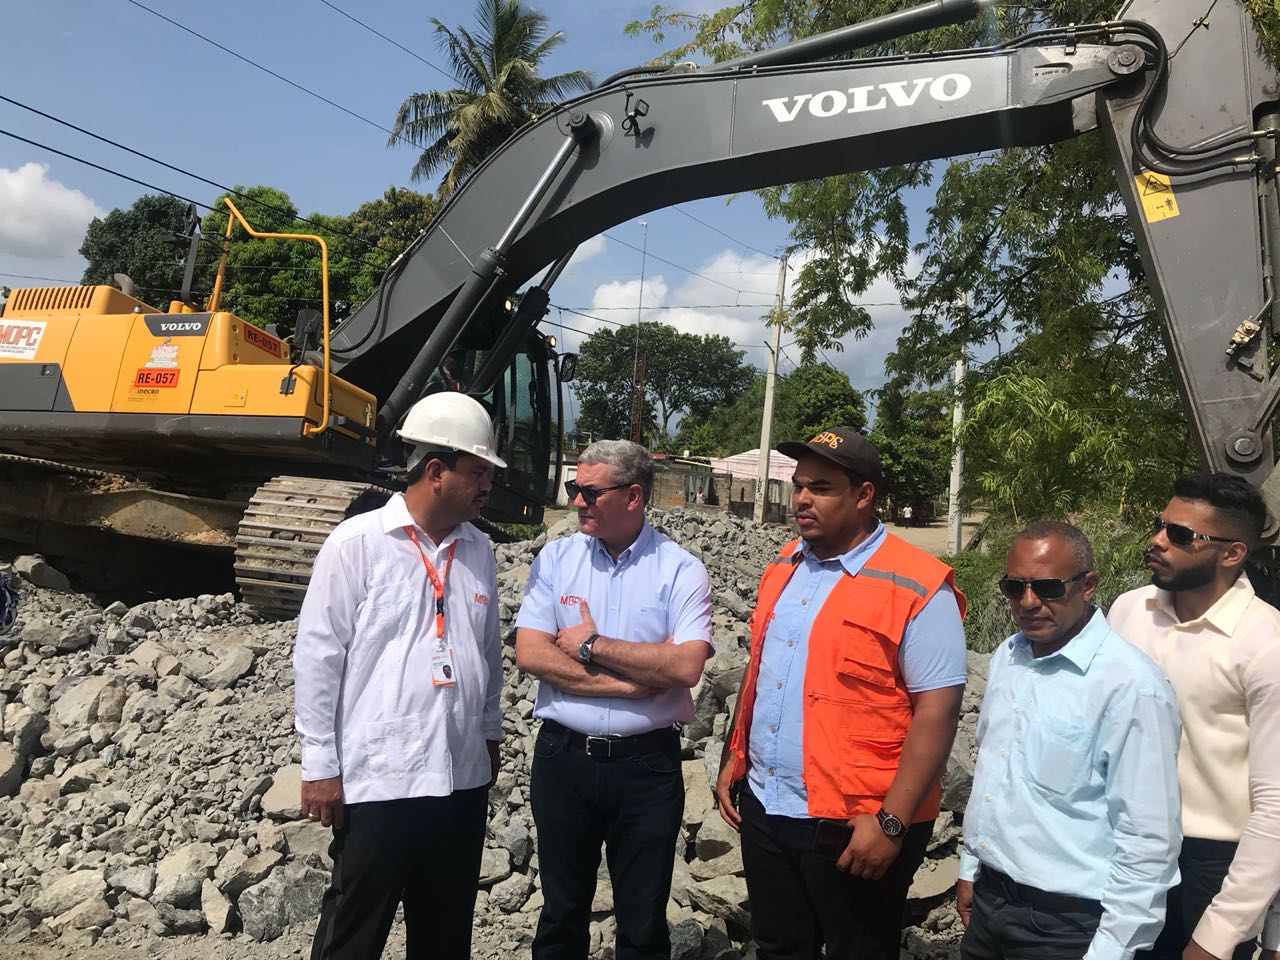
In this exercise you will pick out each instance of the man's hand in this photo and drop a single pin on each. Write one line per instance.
(495, 760)
(869, 853)
(1196, 952)
(724, 798)
(571, 638)
(322, 801)
(634, 691)
(964, 900)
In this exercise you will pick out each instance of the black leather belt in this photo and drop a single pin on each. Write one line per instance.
(611, 748)
(1044, 899)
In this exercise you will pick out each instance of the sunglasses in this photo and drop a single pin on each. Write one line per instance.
(1183, 536)
(589, 494)
(1046, 588)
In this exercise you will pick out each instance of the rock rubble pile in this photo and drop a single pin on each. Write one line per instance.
(149, 779)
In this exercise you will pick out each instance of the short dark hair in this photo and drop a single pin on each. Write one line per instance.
(448, 457)
(1238, 503)
(1075, 537)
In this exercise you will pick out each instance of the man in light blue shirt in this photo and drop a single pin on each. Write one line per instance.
(616, 624)
(1071, 836)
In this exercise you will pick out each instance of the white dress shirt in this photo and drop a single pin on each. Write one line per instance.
(1225, 667)
(365, 706)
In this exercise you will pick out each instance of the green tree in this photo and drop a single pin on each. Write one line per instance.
(129, 241)
(684, 374)
(806, 401)
(386, 226)
(501, 90)
(913, 434)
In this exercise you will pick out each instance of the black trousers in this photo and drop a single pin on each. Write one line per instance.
(1013, 922)
(1204, 865)
(633, 806)
(424, 852)
(800, 902)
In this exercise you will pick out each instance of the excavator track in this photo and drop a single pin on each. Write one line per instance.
(283, 528)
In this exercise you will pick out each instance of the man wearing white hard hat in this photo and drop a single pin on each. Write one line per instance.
(397, 678)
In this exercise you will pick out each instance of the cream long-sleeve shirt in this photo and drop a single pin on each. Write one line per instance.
(1225, 669)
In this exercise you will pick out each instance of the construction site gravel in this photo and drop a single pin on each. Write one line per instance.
(149, 780)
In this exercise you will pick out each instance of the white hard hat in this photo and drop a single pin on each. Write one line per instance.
(451, 421)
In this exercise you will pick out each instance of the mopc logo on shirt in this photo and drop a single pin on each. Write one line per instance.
(568, 600)
(482, 599)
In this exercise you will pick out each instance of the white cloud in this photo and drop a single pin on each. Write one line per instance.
(40, 217)
(588, 250)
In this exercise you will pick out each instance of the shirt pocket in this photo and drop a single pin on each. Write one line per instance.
(868, 764)
(1056, 754)
(407, 746)
(650, 624)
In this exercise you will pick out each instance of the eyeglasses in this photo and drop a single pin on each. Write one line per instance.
(1183, 536)
(589, 494)
(1046, 588)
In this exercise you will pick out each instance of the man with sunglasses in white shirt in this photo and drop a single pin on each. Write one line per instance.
(616, 624)
(1219, 644)
(1071, 833)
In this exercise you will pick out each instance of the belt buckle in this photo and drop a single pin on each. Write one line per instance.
(605, 742)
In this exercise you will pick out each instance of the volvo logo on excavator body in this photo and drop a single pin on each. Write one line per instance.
(880, 96)
(182, 325)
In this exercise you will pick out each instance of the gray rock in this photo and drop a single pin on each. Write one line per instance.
(495, 865)
(91, 913)
(957, 781)
(510, 895)
(233, 664)
(517, 840)
(217, 909)
(237, 872)
(934, 878)
(177, 921)
(78, 707)
(67, 891)
(306, 838)
(715, 838)
(180, 875)
(283, 801)
(290, 895)
(726, 865)
(138, 880)
(81, 776)
(35, 570)
(26, 730)
(10, 770)
(76, 635)
(723, 897)
(686, 940)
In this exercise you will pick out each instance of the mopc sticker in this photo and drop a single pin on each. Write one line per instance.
(21, 339)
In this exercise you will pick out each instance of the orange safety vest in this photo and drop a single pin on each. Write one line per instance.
(857, 708)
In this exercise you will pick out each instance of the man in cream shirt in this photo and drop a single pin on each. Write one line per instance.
(1219, 644)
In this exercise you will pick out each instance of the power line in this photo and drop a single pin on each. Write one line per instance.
(736, 242)
(389, 40)
(253, 63)
(691, 306)
(187, 173)
(670, 263)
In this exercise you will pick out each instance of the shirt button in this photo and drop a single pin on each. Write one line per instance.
(1004, 753)
(984, 844)
(770, 771)
(988, 798)
(803, 602)
(1016, 710)
(779, 686)
(774, 728)
(790, 643)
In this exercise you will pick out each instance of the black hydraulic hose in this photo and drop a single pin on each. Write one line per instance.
(630, 72)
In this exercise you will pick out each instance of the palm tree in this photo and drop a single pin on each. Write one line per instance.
(501, 91)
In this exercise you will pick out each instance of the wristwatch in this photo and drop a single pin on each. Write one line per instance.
(584, 651)
(890, 824)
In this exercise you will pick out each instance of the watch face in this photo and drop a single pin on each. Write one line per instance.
(890, 824)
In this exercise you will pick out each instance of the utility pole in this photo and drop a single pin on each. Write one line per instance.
(770, 379)
(955, 522)
(637, 362)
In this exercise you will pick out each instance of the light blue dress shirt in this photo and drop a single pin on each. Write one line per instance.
(1076, 787)
(655, 591)
(931, 656)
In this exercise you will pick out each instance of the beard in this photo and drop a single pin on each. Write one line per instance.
(1188, 578)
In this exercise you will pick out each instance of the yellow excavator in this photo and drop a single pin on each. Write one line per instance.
(195, 425)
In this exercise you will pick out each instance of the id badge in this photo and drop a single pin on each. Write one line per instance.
(443, 673)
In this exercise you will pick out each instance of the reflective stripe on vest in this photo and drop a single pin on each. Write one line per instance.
(857, 708)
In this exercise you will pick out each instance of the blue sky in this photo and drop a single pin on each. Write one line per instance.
(116, 69)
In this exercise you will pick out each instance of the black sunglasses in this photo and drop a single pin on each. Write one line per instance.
(1183, 536)
(589, 494)
(1046, 588)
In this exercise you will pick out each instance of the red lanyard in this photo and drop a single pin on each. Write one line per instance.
(437, 582)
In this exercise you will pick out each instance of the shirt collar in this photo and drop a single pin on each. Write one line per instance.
(852, 561)
(637, 546)
(1224, 616)
(395, 515)
(1080, 649)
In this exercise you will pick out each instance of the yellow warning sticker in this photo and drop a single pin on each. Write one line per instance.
(1156, 194)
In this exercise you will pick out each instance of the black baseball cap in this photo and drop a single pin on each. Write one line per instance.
(844, 447)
